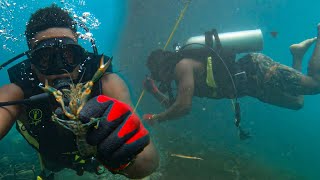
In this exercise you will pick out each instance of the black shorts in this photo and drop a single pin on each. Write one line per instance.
(268, 79)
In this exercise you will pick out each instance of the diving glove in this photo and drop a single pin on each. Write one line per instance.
(120, 136)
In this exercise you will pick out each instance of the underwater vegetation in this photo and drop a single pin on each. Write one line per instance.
(17, 159)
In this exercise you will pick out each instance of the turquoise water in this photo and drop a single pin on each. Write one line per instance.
(284, 144)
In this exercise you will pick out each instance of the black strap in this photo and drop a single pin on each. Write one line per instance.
(13, 59)
(209, 39)
(217, 39)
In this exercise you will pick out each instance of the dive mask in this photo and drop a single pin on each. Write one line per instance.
(56, 55)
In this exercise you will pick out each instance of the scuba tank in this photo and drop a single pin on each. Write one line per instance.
(231, 42)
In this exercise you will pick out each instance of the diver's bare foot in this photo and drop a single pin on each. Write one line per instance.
(298, 50)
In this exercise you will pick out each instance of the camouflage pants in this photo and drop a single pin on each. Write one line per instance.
(268, 79)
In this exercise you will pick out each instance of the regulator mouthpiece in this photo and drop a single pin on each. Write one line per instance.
(63, 83)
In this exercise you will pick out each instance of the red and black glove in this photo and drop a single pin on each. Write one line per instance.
(150, 86)
(120, 136)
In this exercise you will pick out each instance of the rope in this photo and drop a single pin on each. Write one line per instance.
(141, 96)
(167, 43)
(176, 25)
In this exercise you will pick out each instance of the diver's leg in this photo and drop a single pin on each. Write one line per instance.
(278, 98)
(314, 64)
(270, 82)
(293, 81)
(278, 84)
(298, 51)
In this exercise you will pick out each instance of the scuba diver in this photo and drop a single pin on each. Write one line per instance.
(122, 143)
(216, 73)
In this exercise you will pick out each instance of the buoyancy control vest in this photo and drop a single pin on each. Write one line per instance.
(211, 83)
(217, 52)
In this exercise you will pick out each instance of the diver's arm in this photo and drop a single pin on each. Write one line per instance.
(150, 86)
(182, 105)
(147, 161)
(8, 114)
(162, 98)
(114, 87)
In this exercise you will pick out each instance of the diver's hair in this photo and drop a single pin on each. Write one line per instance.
(162, 61)
(49, 17)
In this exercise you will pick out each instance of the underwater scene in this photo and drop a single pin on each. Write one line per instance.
(245, 108)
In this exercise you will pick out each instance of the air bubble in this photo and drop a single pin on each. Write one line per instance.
(85, 14)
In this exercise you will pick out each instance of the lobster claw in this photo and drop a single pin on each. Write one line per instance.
(102, 69)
